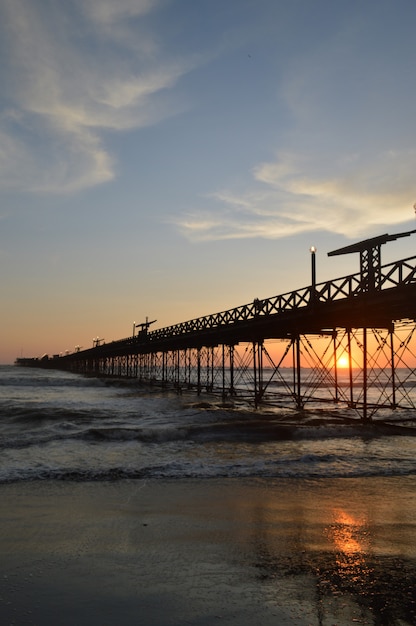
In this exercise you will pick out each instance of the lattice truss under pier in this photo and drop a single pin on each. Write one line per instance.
(367, 370)
(362, 371)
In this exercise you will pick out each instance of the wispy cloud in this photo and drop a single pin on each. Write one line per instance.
(75, 70)
(286, 198)
(345, 162)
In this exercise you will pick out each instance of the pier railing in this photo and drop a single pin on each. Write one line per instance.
(392, 275)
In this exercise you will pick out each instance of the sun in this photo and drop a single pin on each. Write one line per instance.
(342, 361)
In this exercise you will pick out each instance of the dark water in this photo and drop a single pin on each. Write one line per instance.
(56, 425)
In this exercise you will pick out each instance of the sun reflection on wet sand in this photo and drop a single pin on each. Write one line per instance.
(347, 533)
(351, 538)
(339, 553)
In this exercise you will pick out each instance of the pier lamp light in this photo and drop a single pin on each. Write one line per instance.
(312, 250)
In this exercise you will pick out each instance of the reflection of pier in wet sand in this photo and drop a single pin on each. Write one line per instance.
(348, 342)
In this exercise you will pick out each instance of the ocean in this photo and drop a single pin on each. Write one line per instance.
(55, 425)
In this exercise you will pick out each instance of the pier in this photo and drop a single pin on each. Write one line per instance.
(348, 343)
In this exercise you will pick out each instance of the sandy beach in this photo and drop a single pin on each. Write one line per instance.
(324, 552)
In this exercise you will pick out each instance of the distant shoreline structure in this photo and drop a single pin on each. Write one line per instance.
(44, 361)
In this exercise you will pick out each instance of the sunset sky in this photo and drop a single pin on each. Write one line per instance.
(174, 158)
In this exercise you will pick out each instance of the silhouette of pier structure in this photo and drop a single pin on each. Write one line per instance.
(347, 342)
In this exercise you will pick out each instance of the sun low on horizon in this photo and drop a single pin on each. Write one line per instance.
(343, 362)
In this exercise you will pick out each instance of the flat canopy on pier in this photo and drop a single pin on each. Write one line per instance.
(368, 244)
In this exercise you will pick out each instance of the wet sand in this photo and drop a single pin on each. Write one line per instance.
(240, 552)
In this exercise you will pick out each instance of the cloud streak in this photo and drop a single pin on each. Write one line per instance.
(287, 198)
(345, 162)
(75, 73)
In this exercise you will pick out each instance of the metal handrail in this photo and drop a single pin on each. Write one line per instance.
(392, 275)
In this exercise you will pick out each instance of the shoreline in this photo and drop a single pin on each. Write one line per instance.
(233, 551)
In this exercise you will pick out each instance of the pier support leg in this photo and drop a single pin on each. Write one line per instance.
(350, 367)
(365, 376)
(336, 366)
(258, 372)
(393, 367)
(198, 371)
(297, 391)
(231, 353)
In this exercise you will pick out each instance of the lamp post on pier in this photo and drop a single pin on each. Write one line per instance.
(312, 250)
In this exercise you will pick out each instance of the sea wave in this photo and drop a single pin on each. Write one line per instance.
(306, 467)
(59, 426)
(23, 378)
(38, 428)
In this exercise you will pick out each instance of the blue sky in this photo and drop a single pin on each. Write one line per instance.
(174, 158)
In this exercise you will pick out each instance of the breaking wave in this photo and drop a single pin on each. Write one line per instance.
(59, 426)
